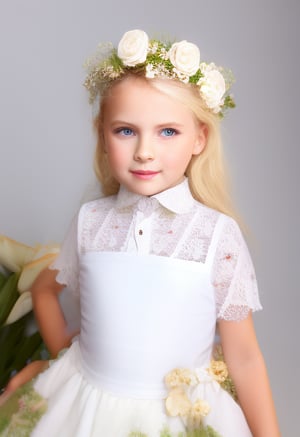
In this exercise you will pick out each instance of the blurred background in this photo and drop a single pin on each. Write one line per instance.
(47, 143)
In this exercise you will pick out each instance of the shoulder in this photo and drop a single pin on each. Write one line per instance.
(99, 205)
(94, 212)
(223, 228)
(228, 223)
(92, 215)
(205, 210)
(231, 230)
(209, 218)
(231, 245)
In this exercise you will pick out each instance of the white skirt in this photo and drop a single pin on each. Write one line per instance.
(77, 408)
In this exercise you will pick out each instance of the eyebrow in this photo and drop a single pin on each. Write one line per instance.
(128, 123)
(170, 123)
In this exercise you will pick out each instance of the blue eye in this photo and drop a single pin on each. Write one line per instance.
(126, 131)
(168, 132)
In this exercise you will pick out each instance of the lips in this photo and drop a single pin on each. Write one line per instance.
(144, 174)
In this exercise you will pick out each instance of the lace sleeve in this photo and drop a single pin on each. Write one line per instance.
(233, 276)
(67, 261)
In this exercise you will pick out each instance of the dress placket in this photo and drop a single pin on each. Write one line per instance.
(143, 224)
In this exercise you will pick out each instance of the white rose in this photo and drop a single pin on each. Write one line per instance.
(212, 89)
(185, 57)
(133, 47)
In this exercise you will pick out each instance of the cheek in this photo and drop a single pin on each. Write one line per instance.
(179, 159)
(117, 156)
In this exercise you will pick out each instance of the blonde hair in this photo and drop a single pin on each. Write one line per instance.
(206, 172)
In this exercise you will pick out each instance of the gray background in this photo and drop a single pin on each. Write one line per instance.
(47, 142)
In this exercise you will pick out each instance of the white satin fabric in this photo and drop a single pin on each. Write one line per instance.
(141, 316)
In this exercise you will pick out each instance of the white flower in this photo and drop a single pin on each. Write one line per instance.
(133, 47)
(164, 54)
(150, 72)
(185, 57)
(182, 77)
(153, 47)
(204, 67)
(212, 89)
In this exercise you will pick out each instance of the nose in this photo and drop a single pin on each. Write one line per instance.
(144, 150)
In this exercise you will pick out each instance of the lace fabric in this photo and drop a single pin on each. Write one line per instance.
(233, 275)
(142, 224)
(67, 262)
(185, 236)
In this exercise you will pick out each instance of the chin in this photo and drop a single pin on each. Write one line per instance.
(145, 191)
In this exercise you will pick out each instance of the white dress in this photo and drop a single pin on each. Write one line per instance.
(153, 276)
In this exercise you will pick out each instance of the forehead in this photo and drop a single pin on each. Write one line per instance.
(138, 98)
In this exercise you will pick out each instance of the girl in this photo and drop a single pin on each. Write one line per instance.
(158, 264)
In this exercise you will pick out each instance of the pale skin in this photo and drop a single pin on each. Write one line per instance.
(138, 141)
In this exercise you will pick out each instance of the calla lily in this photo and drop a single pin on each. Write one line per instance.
(20, 308)
(32, 269)
(14, 255)
(20, 341)
(29, 262)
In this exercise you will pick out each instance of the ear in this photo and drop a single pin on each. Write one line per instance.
(201, 138)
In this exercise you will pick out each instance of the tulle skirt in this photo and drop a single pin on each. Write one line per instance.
(64, 403)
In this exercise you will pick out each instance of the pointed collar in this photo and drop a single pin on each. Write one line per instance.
(177, 199)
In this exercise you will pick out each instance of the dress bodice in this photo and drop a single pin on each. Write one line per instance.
(141, 315)
(153, 275)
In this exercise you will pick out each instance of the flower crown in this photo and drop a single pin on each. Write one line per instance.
(153, 58)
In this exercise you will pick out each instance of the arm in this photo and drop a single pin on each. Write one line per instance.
(247, 369)
(48, 312)
(53, 327)
(25, 375)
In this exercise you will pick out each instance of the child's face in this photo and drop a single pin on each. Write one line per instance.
(149, 137)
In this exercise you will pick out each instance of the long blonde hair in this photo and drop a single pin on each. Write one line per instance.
(206, 172)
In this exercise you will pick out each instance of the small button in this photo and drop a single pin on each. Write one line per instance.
(140, 232)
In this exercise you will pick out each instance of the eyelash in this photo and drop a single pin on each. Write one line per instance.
(121, 130)
(170, 129)
(163, 132)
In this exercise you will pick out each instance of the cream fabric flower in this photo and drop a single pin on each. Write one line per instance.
(218, 370)
(185, 57)
(199, 409)
(177, 403)
(179, 377)
(133, 47)
(212, 88)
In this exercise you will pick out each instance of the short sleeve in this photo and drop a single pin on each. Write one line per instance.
(67, 262)
(233, 275)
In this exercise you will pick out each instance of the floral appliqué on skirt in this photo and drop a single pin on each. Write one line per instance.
(21, 412)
